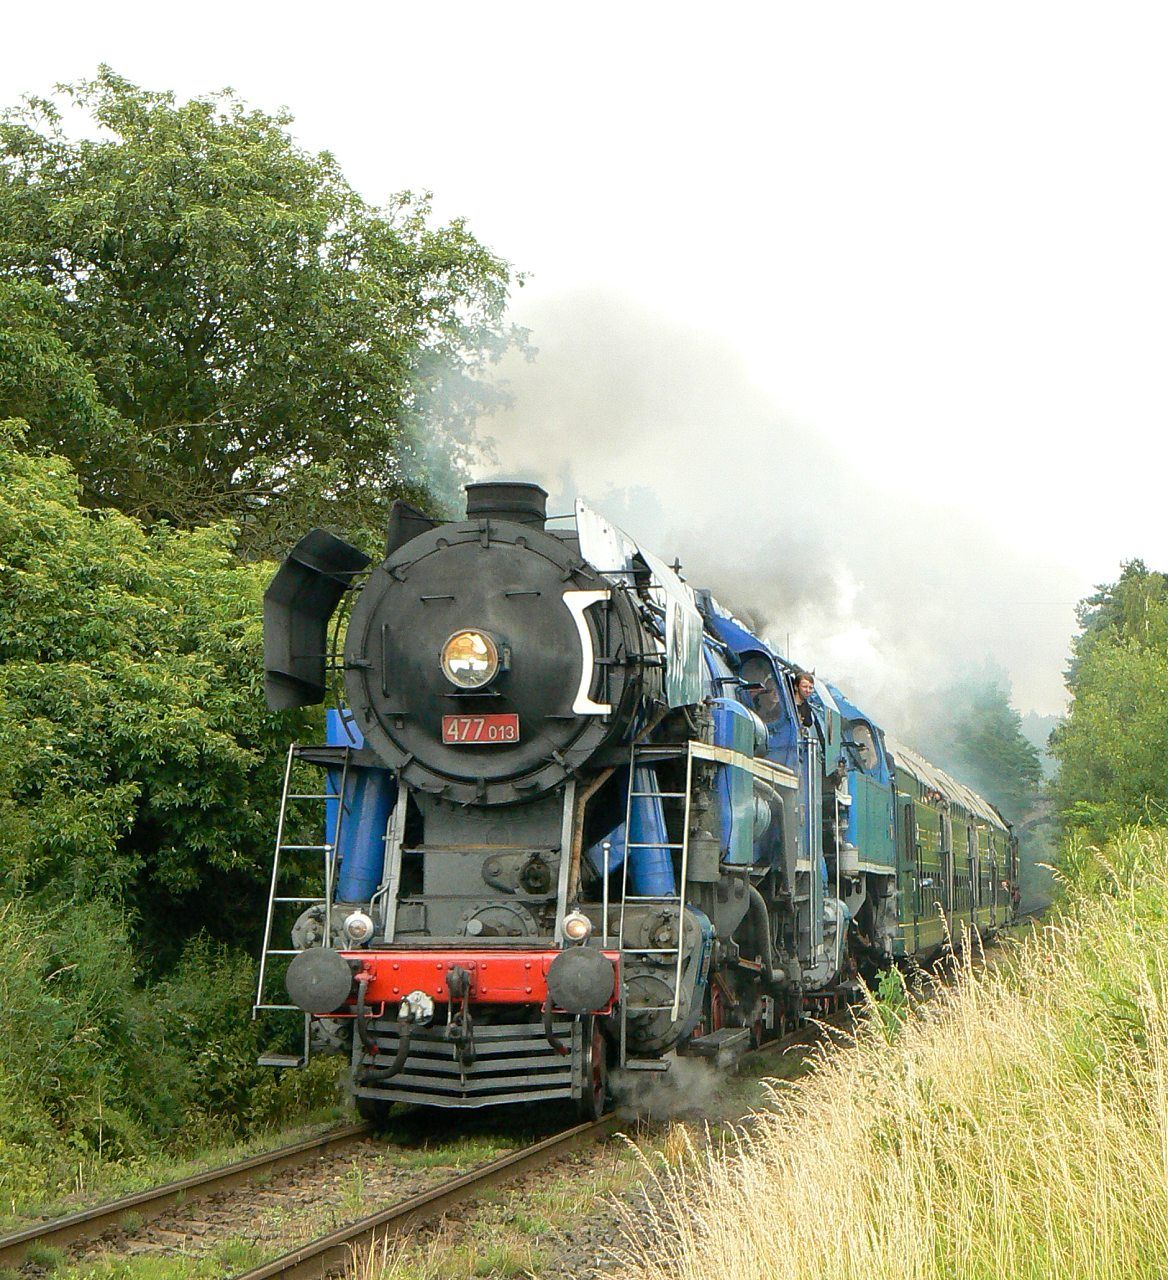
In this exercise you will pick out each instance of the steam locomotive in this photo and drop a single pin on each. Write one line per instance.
(574, 819)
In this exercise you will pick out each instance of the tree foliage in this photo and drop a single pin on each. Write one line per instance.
(137, 761)
(218, 326)
(1135, 608)
(1112, 749)
(208, 342)
(979, 740)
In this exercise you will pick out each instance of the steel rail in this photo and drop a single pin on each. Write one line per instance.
(147, 1204)
(329, 1253)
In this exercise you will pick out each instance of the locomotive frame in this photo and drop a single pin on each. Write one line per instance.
(657, 857)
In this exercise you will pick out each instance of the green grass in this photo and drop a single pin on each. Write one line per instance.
(496, 1251)
(1015, 1125)
(45, 1256)
(105, 1080)
(97, 1181)
(461, 1153)
(228, 1258)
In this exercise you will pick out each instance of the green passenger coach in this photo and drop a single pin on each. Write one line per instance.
(957, 857)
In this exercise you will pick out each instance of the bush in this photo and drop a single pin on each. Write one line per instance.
(139, 780)
(95, 1067)
(203, 1006)
(137, 758)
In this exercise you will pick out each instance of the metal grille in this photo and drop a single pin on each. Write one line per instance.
(513, 1063)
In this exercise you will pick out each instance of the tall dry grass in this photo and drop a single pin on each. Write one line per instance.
(1013, 1125)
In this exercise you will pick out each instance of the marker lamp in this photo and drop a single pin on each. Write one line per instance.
(358, 927)
(470, 659)
(577, 927)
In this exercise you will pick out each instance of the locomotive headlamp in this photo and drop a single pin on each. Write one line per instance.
(358, 928)
(470, 659)
(577, 927)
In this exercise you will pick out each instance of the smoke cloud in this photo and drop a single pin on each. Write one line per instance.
(887, 593)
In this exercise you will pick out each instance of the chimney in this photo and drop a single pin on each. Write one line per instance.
(513, 500)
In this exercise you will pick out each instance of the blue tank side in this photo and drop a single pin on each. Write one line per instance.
(369, 799)
(650, 859)
(734, 729)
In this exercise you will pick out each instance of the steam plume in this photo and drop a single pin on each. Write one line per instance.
(660, 428)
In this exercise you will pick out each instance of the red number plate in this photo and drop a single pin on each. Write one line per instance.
(480, 731)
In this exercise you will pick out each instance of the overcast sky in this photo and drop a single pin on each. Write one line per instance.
(917, 254)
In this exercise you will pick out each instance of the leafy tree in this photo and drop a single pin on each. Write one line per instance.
(1135, 609)
(221, 327)
(43, 381)
(137, 761)
(980, 741)
(1112, 749)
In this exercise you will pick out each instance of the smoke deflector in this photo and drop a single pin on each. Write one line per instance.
(297, 607)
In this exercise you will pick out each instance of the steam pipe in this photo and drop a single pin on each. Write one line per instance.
(762, 928)
(405, 1025)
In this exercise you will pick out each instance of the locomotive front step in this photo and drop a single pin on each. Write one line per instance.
(290, 1060)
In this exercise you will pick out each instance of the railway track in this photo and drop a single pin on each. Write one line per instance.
(332, 1252)
(327, 1253)
(335, 1251)
(143, 1205)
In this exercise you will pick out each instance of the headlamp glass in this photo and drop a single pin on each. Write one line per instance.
(358, 927)
(470, 659)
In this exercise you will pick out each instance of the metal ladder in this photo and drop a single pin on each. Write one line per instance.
(639, 754)
(328, 850)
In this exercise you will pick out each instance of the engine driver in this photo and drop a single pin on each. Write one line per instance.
(804, 688)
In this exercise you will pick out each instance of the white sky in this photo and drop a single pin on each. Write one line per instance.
(935, 235)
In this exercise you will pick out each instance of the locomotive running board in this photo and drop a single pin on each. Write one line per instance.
(724, 1046)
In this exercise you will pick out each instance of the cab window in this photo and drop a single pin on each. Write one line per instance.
(767, 700)
(863, 746)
